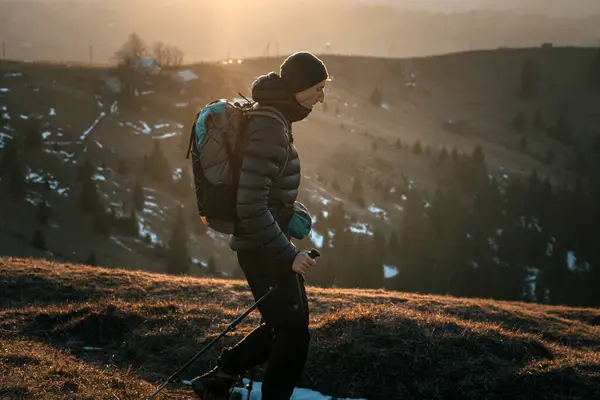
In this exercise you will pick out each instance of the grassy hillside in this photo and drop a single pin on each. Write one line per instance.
(365, 343)
(448, 105)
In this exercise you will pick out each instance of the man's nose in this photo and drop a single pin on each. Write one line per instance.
(321, 97)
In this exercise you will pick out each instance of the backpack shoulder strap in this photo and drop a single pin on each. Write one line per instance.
(192, 135)
(272, 112)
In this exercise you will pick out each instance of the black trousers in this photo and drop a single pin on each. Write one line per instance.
(283, 339)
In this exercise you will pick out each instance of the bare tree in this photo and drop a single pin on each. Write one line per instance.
(174, 56)
(167, 56)
(131, 51)
(159, 51)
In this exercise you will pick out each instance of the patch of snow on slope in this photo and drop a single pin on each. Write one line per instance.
(316, 239)
(166, 135)
(5, 114)
(43, 178)
(361, 228)
(3, 138)
(87, 132)
(120, 243)
(145, 230)
(389, 271)
(298, 394)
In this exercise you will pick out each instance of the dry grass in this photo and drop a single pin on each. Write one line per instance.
(372, 344)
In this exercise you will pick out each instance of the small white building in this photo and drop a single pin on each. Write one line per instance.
(186, 76)
(148, 65)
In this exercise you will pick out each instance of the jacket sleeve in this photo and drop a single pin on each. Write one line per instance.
(265, 150)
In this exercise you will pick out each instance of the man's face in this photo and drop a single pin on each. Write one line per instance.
(311, 96)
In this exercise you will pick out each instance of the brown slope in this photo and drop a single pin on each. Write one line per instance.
(370, 344)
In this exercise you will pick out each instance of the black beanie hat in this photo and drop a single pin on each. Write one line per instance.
(302, 70)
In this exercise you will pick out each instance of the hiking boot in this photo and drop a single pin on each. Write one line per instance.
(214, 385)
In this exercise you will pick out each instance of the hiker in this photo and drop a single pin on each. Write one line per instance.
(268, 217)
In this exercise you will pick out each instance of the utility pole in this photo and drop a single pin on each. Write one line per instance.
(91, 55)
(471, 30)
(3, 50)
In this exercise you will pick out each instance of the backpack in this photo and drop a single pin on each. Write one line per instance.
(215, 140)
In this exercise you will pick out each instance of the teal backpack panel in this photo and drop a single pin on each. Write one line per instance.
(217, 107)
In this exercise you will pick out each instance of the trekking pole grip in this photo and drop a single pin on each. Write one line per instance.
(314, 253)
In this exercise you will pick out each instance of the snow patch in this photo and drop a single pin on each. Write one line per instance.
(389, 271)
(87, 132)
(61, 153)
(198, 261)
(530, 282)
(323, 200)
(43, 178)
(166, 135)
(361, 228)
(298, 394)
(98, 177)
(376, 210)
(147, 129)
(144, 230)
(177, 174)
(5, 114)
(2, 139)
(316, 239)
(120, 243)
(571, 260)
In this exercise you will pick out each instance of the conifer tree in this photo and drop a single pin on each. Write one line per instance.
(177, 253)
(138, 197)
(38, 241)
(212, 266)
(358, 192)
(530, 76)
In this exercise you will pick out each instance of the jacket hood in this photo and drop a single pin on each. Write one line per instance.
(271, 90)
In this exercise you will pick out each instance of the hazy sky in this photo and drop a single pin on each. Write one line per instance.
(564, 8)
(559, 8)
(245, 30)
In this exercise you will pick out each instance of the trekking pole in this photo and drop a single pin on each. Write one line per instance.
(314, 253)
